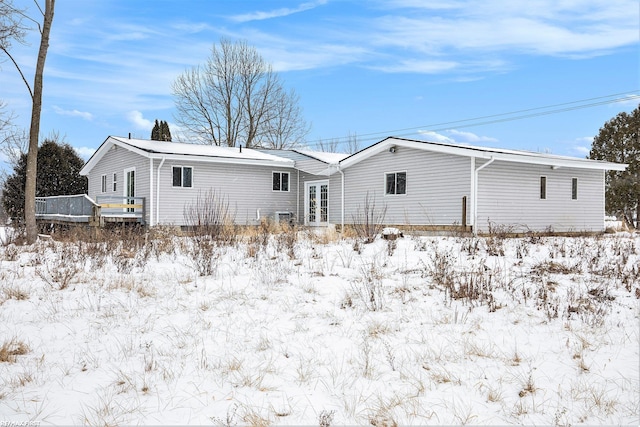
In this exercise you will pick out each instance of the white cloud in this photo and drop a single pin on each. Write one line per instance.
(582, 150)
(85, 152)
(277, 13)
(136, 118)
(435, 137)
(470, 30)
(453, 136)
(418, 66)
(470, 137)
(73, 113)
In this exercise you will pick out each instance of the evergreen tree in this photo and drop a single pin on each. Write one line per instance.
(165, 133)
(160, 131)
(619, 141)
(58, 173)
(155, 132)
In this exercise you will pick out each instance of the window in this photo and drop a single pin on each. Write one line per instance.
(280, 181)
(396, 183)
(574, 188)
(543, 187)
(104, 183)
(182, 176)
(115, 181)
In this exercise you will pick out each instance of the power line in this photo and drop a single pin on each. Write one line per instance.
(493, 118)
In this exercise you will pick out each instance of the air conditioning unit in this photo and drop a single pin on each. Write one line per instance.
(283, 216)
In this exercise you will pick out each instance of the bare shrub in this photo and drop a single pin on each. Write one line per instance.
(495, 238)
(473, 286)
(209, 215)
(325, 418)
(203, 253)
(369, 287)
(441, 268)
(552, 267)
(11, 252)
(59, 270)
(286, 240)
(13, 291)
(368, 221)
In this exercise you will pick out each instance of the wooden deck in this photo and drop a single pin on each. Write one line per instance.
(81, 209)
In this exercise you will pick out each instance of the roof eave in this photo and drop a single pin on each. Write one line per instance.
(478, 153)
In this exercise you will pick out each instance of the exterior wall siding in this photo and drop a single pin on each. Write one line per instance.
(436, 184)
(509, 195)
(117, 160)
(246, 189)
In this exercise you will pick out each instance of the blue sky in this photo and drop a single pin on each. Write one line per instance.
(420, 69)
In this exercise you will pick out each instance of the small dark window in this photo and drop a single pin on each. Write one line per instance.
(104, 183)
(396, 183)
(115, 181)
(574, 188)
(280, 181)
(187, 177)
(182, 176)
(177, 176)
(543, 187)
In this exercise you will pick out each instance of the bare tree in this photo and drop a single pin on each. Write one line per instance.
(353, 145)
(236, 98)
(13, 17)
(287, 128)
(330, 146)
(14, 142)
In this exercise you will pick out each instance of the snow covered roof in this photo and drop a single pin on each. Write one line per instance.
(162, 147)
(331, 158)
(481, 152)
(183, 151)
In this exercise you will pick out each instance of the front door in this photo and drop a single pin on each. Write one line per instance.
(316, 203)
(130, 188)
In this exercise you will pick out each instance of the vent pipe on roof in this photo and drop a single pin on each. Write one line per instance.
(129, 135)
(241, 148)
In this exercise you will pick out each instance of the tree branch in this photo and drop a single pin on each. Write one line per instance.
(19, 71)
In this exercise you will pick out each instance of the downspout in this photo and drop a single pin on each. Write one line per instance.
(158, 191)
(341, 201)
(475, 195)
(151, 192)
(298, 199)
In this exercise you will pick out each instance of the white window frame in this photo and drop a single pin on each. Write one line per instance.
(103, 183)
(318, 185)
(574, 188)
(182, 168)
(281, 173)
(115, 182)
(396, 183)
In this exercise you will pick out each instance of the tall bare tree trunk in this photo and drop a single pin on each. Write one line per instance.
(34, 130)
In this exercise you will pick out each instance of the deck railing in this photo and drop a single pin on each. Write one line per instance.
(122, 207)
(81, 208)
(76, 205)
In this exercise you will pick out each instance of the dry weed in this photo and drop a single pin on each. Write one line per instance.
(11, 349)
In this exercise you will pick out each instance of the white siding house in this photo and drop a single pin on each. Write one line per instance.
(517, 190)
(418, 183)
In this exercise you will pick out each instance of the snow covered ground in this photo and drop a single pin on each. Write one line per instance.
(311, 329)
